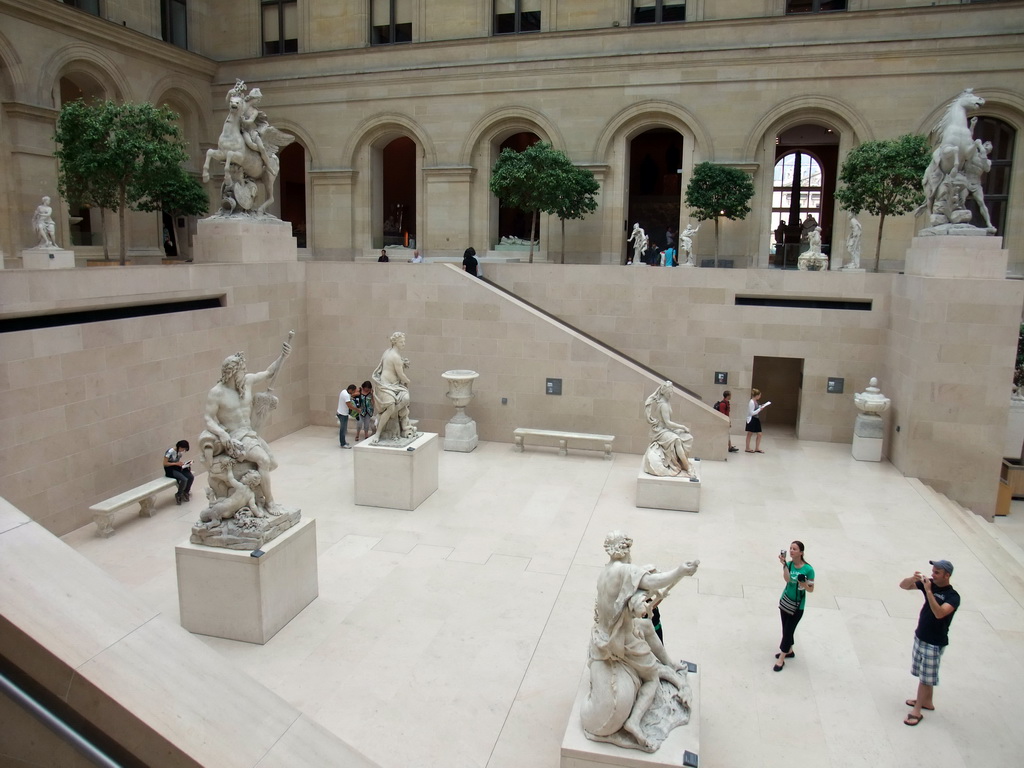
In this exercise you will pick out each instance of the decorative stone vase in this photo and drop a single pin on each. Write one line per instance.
(868, 429)
(460, 433)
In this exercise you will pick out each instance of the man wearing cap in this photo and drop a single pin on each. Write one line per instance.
(932, 635)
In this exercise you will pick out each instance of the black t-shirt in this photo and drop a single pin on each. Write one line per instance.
(469, 262)
(929, 629)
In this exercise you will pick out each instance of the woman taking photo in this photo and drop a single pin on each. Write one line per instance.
(799, 577)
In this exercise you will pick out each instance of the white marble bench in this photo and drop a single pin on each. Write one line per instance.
(579, 440)
(103, 512)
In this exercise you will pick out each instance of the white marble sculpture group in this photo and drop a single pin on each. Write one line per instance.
(242, 512)
(812, 259)
(954, 175)
(637, 694)
(247, 146)
(391, 396)
(671, 443)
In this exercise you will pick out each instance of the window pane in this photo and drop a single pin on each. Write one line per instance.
(291, 21)
(270, 31)
(529, 21)
(380, 12)
(504, 6)
(529, 5)
(403, 33)
(179, 24)
(799, 6)
(832, 5)
(644, 12)
(673, 11)
(403, 11)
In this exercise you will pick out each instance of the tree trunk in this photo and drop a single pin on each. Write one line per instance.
(122, 246)
(878, 241)
(563, 240)
(533, 225)
(103, 233)
(716, 243)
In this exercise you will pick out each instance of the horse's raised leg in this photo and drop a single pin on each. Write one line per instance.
(211, 154)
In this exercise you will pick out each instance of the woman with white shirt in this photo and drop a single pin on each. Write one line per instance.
(753, 422)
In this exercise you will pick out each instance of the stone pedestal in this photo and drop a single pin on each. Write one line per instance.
(868, 431)
(244, 239)
(460, 432)
(47, 258)
(396, 478)
(580, 752)
(680, 493)
(460, 437)
(976, 256)
(231, 594)
(1014, 444)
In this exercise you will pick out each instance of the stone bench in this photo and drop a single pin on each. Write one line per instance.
(103, 512)
(579, 440)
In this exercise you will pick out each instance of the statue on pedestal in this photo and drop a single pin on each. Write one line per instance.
(638, 694)
(247, 146)
(686, 244)
(853, 243)
(391, 395)
(242, 512)
(954, 174)
(670, 442)
(812, 259)
(640, 241)
(43, 226)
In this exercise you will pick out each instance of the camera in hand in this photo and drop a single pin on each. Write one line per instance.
(802, 578)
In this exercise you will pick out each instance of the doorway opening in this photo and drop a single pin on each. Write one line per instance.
(515, 222)
(398, 176)
(293, 190)
(780, 380)
(655, 159)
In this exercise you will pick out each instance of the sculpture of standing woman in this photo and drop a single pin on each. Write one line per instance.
(391, 393)
(853, 243)
(639, 240)
(43, 226)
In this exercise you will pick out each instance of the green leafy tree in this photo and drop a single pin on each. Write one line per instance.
(715, 191)
(884, 179)
(543, 179)
(124, 157)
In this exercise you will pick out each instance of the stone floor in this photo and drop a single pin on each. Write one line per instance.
(455, 635)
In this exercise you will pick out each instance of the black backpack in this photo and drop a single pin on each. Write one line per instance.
(716, 406)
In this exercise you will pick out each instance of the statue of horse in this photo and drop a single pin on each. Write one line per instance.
(249, 155)
(954, 148)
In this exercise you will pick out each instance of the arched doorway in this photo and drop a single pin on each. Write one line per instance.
(996, 182)
(653, 200)
(292, 190)
(398, 193)
(515, 222)
(803, 185)
(86, 222)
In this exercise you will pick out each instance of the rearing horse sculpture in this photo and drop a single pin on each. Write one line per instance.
(954, 149)
(248, 147)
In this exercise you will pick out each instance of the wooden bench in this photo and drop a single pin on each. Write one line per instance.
(103, 512)
(590, 442)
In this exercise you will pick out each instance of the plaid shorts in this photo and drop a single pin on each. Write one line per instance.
(925, 664)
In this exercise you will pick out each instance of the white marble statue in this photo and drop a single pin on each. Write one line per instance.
(43, 226)
(853, 243)
(391, 395)
(640, 241)
(242, 512)
(666, 456)
(954, 173)
(247, 146)
(686, 245)
(812, 259)
(638, 694)
(510, 240)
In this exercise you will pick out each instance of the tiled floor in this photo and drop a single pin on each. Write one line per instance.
(455, 635)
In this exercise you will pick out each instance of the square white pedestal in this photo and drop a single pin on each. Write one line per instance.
(47, 258)
(580, 752)
(679, 493)
(243, 239)
(460, 437)
(396, 478)
(231, 594)
(867, 448)
(957, 256)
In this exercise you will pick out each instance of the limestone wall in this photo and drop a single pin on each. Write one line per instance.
(88, 410)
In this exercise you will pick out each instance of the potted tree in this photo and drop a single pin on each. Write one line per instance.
(719, 191)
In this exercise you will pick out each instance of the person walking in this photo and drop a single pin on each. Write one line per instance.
(181, 471)
(932, 634)
(724, 407)
(799, 577)
(469, 261)
(753, 422)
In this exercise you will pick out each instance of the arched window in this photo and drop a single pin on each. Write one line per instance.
(796, 194)
(995, 183)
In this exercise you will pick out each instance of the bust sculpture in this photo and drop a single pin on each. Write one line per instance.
(247, 146)
(954, 173)
(242, 511)
(43, 226)
(391, 394)
(666, 456)
(638, 694)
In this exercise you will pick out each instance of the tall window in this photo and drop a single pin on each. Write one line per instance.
(280, 26)
(174, 22)
(658, 11)
(512, 17)
(796, 194)
(814, 6)
(995, 184)
(89, 6)
(390, 21)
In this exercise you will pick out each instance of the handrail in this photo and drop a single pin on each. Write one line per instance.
(55, 723)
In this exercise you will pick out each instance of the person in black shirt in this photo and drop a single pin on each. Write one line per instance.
(469, 262)
(932, 635)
